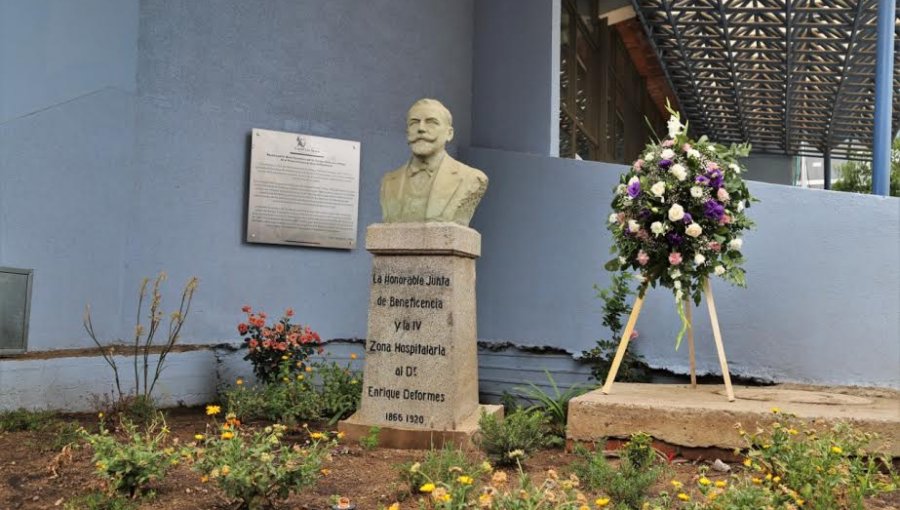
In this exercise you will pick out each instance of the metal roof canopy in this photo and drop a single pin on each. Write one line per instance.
(789, 76)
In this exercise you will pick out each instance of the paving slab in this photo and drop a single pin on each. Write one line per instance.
(702, 417)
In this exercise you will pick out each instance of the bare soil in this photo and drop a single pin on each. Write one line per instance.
(33, 476)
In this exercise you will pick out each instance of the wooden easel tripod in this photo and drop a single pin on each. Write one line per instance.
(717, 334)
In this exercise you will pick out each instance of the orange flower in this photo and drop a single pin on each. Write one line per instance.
(279, 328)
(353, 355)
(289, 312)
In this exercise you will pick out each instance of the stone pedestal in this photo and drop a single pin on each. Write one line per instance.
(421, 367)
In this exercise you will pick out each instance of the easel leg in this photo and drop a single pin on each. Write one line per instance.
(690, 332)
(623, 343)
(717, 334)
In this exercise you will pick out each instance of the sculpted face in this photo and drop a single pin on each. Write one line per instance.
(428, 129)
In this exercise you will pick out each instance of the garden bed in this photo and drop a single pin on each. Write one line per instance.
(34, 475)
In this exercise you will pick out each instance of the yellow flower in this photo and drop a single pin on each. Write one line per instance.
(284, 358)
(756, 480)
(704, 481)
(239, 381)
(584, 507)
(228, 434)
(485, 500)
(775, 410)
(300, 377)
(341, 434)
(352, 355)
(601, 502)
(309, 369)
(748, 462)
(683, 497)
(198, 437)
(317, 435)
(837, 449)
(428, 487)
(676, 484)
(465, 480)
(799, 501)
(440, 494)
(325, 471)
(212, 410)
(486, 466)
(768, 476)
(100, 465)
(776, 479)
(394, 506)
(204, 479)
(100, 415)
(225, 470)
(721, 483)
(792, 432)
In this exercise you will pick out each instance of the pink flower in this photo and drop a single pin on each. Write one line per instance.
(712, 165)
(638, 164)
(621, 217)
(634, 334)
(725, 220)
(686, 147)
(714, 246)
(643, 258)
(674, 258)
(668, 142)
(643, 235)
(722, 195)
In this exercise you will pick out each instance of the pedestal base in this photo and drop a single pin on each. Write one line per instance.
(417, 439)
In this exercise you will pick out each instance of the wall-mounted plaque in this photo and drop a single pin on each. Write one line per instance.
(304, 190)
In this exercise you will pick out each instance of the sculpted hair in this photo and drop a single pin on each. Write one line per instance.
(433, 102)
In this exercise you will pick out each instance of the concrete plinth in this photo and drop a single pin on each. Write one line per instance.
(703, 418)
(420, 383)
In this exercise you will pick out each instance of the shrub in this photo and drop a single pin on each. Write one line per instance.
(508, 441)
(439, 466)
(269, 345)
(24, 420)
(130, 463)
(555, 405)
(256, 468)
(826, 469)
(339, 390)
(554, 493)
(627, 485)
(288, 399)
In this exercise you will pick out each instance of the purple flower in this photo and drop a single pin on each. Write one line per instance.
(665, 163)
(715, 179)
(644, 214)
(634, 188)
(700, 179)
(688, 219)
(674, 238)
(713, 209)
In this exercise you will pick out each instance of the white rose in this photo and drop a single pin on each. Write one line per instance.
(633, 226)
(622, 260)
(735, 167)
(696, 191)
(675, 126)
(613, 218)
(719, 270)
(693, 230)
(677, 284)
(675, 274)
(648, 156)
(657, 228)
(693, 154)
(736, 244)
(667, 154)
(740, 206)
(658, 189)
(679, 172)
(676, 212)
(699, 259)
(620, 189)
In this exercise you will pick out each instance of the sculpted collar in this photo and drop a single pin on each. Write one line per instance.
(414, 166)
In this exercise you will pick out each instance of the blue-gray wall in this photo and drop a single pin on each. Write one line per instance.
(103, 185)
(515, 94)
(771, 168)
(823, 275)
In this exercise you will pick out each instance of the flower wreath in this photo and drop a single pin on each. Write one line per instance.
(678, 215)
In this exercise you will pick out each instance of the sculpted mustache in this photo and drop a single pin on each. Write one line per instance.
(421, 139)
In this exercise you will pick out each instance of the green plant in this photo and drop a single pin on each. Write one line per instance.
(131, 462)
(257, 468)
(289, 399)
(831, 468)
(58, 435)
(439, 466)
(370, 440)
(452, 490)
(267, 346)
(628, 484)
(856, 176)
(509, 440)
(339, 390)
(554, 493)
(143, 338)
(24, 420)
(555, 405)
(615, 307)
(100, 501)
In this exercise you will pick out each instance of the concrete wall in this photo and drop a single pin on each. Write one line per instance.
(771, 168)
(824, 283)
(515, 93)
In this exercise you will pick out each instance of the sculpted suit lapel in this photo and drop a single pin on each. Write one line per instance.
(393, 187)
(446, 182)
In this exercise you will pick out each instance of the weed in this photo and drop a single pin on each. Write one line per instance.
(640, 467)
(443, 465)
(509, 440)
(370, 440)
(555, 405)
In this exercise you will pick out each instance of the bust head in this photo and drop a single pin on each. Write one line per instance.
(429, 126)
